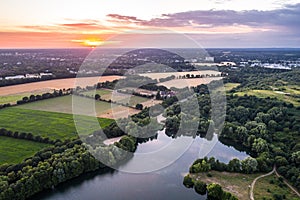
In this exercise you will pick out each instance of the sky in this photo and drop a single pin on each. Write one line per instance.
(209, 23)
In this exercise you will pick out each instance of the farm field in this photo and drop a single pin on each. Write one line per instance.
(82, 106)
(15, 97)
(55, 84)
(181, 83)
(267, 187)
(46, 124)
(106, 94)
(126, 98)
(167, 74)
(14, 150)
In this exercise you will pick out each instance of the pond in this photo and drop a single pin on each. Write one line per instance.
(165, 183)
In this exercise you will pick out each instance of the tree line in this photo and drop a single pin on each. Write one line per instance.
(27, 136)
(213, 190)
(266, 128)
(48, 95)
(56, 164)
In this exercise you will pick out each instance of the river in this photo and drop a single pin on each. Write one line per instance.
(165, 183)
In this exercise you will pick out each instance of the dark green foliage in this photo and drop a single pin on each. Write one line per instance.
(215, 192)
(51, 166)
(97, 96)
(128, 143)
(47, 95)
(27, 136)
(139, 106)
(188, 181)
(201, 166)
(200, 187)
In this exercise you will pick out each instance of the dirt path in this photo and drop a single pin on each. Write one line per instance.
(284, 180)
(254, 181)
(268, 174)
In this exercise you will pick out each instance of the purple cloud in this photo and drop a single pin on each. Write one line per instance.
(285, 17)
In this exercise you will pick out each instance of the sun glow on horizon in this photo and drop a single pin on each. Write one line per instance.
(91, 42)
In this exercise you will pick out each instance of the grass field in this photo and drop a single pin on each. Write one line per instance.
(48, 124)
(266, 187)
(182, 83)
(15, 97)
(11, 98)
(230, 86)
(119, 97)
(13, 150)
(272, 94)
(104, 93)
(80, 106)
(235, 183)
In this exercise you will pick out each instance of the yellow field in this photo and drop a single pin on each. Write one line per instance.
(55, 84)
(81, 106)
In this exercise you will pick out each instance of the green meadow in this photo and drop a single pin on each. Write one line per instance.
(13, 150)
(48, 124)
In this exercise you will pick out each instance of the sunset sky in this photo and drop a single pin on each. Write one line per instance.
(211, 23)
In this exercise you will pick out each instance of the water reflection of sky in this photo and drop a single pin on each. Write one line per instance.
(165, 183)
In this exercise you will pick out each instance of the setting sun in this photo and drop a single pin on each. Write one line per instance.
(92, 42)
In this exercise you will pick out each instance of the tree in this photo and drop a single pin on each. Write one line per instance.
(158, 97)
(296, 157)
(200, 187)
(25, 99)
(234, 165)
(97, 96)
(202, 166)
(260, 145)
(188, 181)
(139, 106)
(241, 132)
(214, 192)
(273, 125)
(32, 98)
(240, 114)
(281, 161)
(249, 165)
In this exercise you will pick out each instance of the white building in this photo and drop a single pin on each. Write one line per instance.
(14, 77)
(32, 76)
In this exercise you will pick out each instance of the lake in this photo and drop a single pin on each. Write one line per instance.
(165, 183)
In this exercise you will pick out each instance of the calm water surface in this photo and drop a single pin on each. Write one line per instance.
(162, 184)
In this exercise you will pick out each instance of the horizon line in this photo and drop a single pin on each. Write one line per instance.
(90, 48)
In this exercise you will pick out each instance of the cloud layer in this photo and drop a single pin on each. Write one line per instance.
(285, 17)
(212, 28)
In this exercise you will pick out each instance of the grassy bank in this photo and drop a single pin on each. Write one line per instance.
(271, 187)
(235, 183)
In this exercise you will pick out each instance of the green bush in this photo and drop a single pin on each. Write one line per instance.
(188, 181)
(200, 187)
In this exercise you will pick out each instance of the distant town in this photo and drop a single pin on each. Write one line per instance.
(65, 63)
